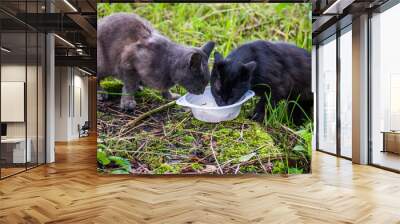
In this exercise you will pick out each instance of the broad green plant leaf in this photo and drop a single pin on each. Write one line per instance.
(102, 158)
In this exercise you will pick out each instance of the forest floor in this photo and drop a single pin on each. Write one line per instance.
(172, 141)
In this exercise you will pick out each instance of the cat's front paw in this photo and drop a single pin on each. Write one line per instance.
(128, 103)
(170, 96)
(175, 96)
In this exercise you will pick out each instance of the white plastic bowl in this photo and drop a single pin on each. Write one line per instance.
(205, 108)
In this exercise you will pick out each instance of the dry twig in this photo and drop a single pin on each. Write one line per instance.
(215, 156)
(145, 115)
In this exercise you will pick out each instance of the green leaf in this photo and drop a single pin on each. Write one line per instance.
(101, 146)
(295, 171)
(246, 158)
(102, 158)
(299, 148)
(121, 162)
(279, 168)
(119, 171)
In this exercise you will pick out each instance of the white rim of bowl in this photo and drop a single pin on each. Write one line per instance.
(249, 94)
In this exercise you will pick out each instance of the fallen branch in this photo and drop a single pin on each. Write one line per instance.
(148, 113)
(261, 164)
(237, 168)
(215, 156)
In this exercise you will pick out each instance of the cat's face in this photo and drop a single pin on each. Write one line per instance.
(196, 73)
(230, 80)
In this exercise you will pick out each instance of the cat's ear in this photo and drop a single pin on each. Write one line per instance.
(248, 70)
(208, 47)
(195, 62)
(217, 57)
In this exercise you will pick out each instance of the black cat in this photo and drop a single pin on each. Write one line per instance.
(129, 48)
(279, 69)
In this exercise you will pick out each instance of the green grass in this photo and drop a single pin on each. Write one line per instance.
(228, 24)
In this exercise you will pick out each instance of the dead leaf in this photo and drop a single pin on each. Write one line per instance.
(209, 169)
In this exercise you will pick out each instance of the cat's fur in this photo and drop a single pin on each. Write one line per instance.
(131, 50)
(280, 69)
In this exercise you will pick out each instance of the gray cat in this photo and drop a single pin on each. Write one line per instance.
(129, 49)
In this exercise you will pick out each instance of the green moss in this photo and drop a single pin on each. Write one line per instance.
(100, 114)
(248, 169)
(293, 170)
(196, 166)
(241, 140)
(279, 167)
(188, 139)
(167, 168)
(153, 161)
(111, 85)
(196, 122)
(147, 94)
